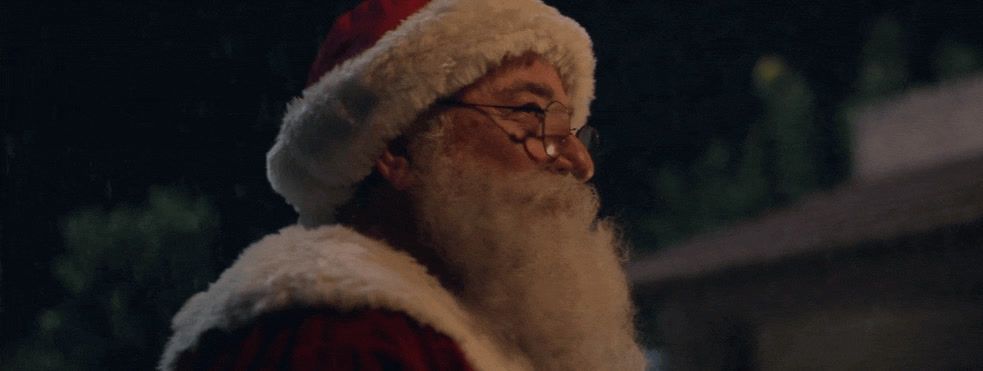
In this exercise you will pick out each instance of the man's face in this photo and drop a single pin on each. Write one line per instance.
(523, 249)
(518, 82)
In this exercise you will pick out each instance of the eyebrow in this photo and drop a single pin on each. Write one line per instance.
(539, 89)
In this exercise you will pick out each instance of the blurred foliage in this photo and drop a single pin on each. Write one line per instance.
(954, 59)
(125, 273)
(775, 163)
(780, 158)
(883, 61)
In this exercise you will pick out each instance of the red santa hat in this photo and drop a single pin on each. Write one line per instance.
(386, 62)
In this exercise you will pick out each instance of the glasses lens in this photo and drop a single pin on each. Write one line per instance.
(589, 136)
(557, 120)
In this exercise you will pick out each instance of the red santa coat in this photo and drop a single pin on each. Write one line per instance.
(342, 279)
(323, 339)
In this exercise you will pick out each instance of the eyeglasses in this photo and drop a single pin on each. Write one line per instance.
(549, 126)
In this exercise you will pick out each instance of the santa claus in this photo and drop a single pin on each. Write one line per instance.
(438, 161)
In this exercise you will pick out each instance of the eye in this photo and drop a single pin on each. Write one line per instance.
(530, 108)
(529, 113)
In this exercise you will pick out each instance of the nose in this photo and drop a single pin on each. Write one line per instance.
(573, 159)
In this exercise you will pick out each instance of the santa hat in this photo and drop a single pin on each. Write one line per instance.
(386, 62)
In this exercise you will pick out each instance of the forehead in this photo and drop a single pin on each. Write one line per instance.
(521, 78)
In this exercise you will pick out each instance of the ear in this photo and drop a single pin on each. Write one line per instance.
(395, 169)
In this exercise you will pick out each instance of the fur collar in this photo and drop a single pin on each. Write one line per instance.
(330, 266)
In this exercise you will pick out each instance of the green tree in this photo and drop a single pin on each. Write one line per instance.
(775, 163)
(125, 273)
(780, 158)
(883, 61)
(786, 132)
(954, 59)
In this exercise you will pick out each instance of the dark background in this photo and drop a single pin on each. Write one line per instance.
(102, 102)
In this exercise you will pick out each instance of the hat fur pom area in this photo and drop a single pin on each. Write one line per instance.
(333, 133)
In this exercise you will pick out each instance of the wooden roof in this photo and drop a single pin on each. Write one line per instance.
(840, 219)
(922, 128)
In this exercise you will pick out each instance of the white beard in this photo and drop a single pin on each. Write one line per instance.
(533, 262)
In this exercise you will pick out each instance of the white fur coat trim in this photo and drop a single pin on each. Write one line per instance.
(334, 132)
(330, 266)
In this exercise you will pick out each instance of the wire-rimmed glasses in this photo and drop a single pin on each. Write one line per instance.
(549, 126)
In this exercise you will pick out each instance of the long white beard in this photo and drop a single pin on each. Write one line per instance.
(534, 263)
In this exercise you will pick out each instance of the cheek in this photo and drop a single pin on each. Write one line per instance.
(486, 143)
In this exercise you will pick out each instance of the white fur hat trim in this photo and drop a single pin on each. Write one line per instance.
(332, 134)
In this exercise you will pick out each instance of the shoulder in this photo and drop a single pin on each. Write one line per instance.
(327, 267)
(306, 339)
(331, 266)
